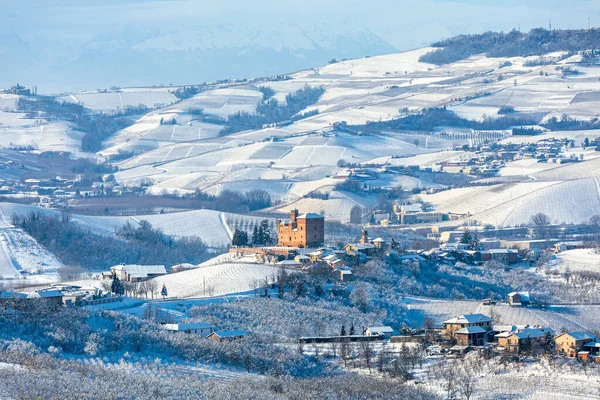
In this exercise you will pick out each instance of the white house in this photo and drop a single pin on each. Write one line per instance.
(198, 328)
(386, 331)
(136, 273)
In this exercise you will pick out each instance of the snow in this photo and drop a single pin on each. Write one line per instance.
(578, 260)
(22, 259)
(572, 317)
(115, 101)
(212, 280)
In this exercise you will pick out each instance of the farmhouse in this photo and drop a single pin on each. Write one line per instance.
(386, 331)
(137, 273)
(302, 231)
(519, 299)
(570, 343)
(470, 336)
(53, 297)
(516, 342)
(455, 324)
(198, 328)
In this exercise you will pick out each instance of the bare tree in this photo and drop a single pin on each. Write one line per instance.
(152, 287)
(465, 380)
(540, 223)
(367, 353)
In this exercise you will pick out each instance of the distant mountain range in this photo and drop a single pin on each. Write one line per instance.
(134, 57)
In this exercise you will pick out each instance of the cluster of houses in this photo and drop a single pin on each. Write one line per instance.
(19, 90)
(473, 330)
(487, 160)
(59, 295)
(58, 191)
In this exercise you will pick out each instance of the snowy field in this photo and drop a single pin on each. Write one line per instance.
(213, 280)
(575, 317)
(22, 259)
(118, 101)
(577, 260)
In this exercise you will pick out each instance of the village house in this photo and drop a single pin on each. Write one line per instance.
(569, 343)
(593, 348)
(519, 299)
(515, 342)
(470, 336)
(465, 321)
(52, 297)
(198, 328)
(345, 275)
(302, 231)
(504, 256)
(137, 273)
(383, 331)
(226, 336)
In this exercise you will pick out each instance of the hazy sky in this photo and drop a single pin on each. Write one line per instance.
(56, 42)
(106, 14)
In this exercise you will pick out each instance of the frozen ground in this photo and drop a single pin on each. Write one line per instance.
(572, 317)
(117, 101)
(577, 260)
(22, 259)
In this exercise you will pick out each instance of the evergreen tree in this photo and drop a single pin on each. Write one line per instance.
(240, 238)
(466, 238)
(116, 286)
(586, 142)
(343, 332)
(163, 292)
(264, 233)
(352, 330)
(255, 236)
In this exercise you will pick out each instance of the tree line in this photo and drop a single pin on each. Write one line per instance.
(75, 245)
(536, 42)
(430, 118)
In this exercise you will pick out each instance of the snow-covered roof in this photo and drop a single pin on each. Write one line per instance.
(380, 329)
(311, 216)
(592, 344)
(471, 329)
(378, 240)
(288, 262)
(141, 270)
(186, 326)
(524, 295)
(412, 208)
(506, 328)
(533, 333)
(581, 335)
(503, 251)
(47, 293)
(468, 319)
(230, 334)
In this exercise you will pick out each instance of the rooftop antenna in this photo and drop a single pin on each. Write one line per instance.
(550, 25)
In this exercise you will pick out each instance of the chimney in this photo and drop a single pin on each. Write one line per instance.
(365, 236)
(294, 215)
